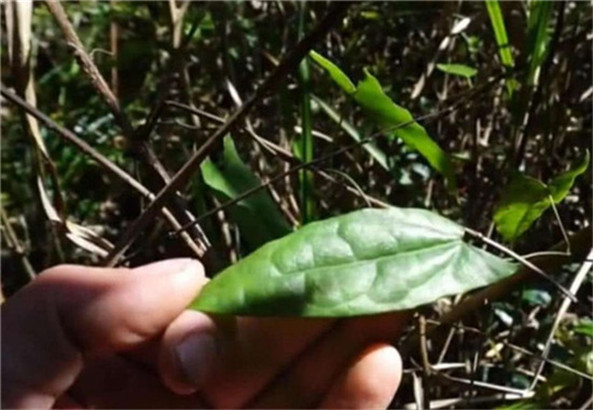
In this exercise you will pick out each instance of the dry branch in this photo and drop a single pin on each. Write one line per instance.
(336, 11)
(99, 158)
(137, 141)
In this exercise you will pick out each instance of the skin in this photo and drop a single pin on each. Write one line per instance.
(93, 337)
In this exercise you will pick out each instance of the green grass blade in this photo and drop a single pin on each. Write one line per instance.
(502, 40)
(305, 143)
(460, 70)
(538, 37)
(500, 32)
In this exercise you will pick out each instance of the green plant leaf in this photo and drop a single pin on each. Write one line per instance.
(365, 262)
(500, 32)
(376, 152)
(584, 327)
(458, 69)
(257, 216)
(536, 297)
(526, 404)
(334, 72)
(306, 141)
(540, 13)
(523, 200)
(386, 113)
(381, 109)
(560, 186)
(502, 41)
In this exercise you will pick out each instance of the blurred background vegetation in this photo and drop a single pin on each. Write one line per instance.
(517, 104)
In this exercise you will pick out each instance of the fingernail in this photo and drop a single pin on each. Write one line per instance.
(196, 356)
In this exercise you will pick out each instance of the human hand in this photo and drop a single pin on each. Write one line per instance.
(80, 336)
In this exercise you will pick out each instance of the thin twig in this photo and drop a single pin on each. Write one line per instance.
(334, 15)
(587, 405)
(473, 402)
(557, 214)
(580, 245)
(313, 163)
(15, 245)
(87, 64)
(574, 287)
(113, 40)
(485, 385)
(99, 158)
(165, 87)
(525, 262)
(137, 139)
(300, 165)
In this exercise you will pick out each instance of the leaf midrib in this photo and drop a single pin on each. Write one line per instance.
(366, 260)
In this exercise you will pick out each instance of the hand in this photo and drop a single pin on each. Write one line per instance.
(80, 336)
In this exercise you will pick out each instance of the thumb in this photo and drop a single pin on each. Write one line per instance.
(70, 312)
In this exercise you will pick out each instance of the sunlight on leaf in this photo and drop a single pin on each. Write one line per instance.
(522, 202)
(560, 186)
(525, 199)
(365, 262)
(387, 114)
(458, 69)
(334, 72)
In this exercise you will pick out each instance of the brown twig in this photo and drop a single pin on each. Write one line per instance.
(87, 64)
(518, 349)
(137, 140)
(91, 152)
(282, 154)
(313, 163)
(574, 287)
(113, 38)
(334, 15)
(14, 244)
(525, 262)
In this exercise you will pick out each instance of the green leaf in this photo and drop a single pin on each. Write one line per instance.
(521, 203)
(540, 13)
(257, 216)
(458, 69)
(365, 262)
(525, 199)
(500, 32)
(370, 15)
(376, 152)
(306, 141)
(386, 113)
(334, 72)
(536, 297)
(526, 404)
(584, 327)
(502, 40)
(560, 186)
